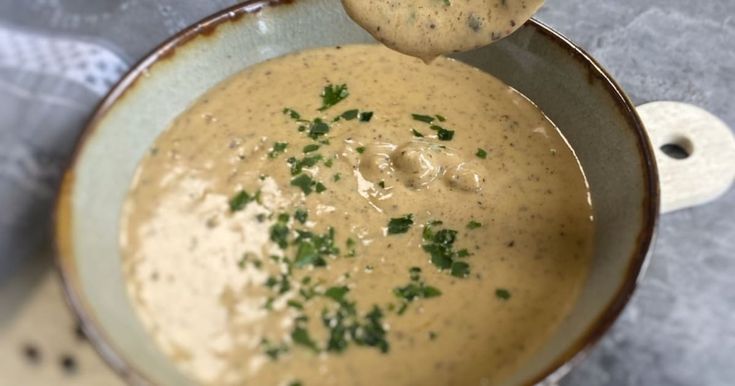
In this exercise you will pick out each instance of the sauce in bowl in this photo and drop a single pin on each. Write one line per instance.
(352, 216)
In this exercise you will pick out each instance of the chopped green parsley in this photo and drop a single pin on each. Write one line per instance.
(473, 225)
(279, 231)
(318, 128)
(366, 116)
(400, 224)
(301, 215)
(272, 350)
(423, 118)
(442, 133)
(460, 269)
(240, 200)
(297, 165)
(292, 113)
(463, 253)
(313, 249)
(333, 94)
(345, 325)
(440, 246)
(310, 148)
(278, 148)
(295, 304)
(416, 289)
(337, 293)
(502, 293)
(350, 114)
(416, 133)
(304, 182)
(301, 337)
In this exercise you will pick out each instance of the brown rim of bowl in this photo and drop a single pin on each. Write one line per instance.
(62, 212)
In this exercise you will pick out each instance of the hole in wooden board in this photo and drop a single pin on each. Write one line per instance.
(679, 148)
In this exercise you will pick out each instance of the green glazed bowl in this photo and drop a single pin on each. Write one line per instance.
(592, 111)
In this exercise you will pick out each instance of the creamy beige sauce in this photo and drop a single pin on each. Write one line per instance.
(197, 253)
(429, 28)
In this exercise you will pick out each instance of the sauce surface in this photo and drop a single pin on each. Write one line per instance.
(429, 28)
(352, 216)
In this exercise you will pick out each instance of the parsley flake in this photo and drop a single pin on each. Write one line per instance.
(502, 293)
(481, 153)
(240, 200)
(400, 224)
(416, 289)
(273, 351)
(297, 165)
(295, 304)
(292, 113)
(442, 133)
(304, 182)
(278, 148)
(301, 215)
(349, 114)
(351, 244)
(301, 336)
(318, 128)
(416, 133)
(313, 249)
(423, 118)
(319, 187)
(279, 231)
(460, 269)
(310, 148)
(371, 332)
(366, 116)
(337, 293)
(440, 246)
(413, 291)
(333, 94)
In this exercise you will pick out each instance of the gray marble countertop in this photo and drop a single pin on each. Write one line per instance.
(58, 57)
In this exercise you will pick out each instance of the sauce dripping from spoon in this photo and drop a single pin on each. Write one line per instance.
(429, 28)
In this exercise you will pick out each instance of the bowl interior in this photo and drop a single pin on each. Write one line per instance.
(596, 119)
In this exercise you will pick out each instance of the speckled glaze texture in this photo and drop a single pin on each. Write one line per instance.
(676, 331)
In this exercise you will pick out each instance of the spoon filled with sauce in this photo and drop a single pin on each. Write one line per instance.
(429, 28)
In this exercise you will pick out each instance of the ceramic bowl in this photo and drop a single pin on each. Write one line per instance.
(591, 110)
